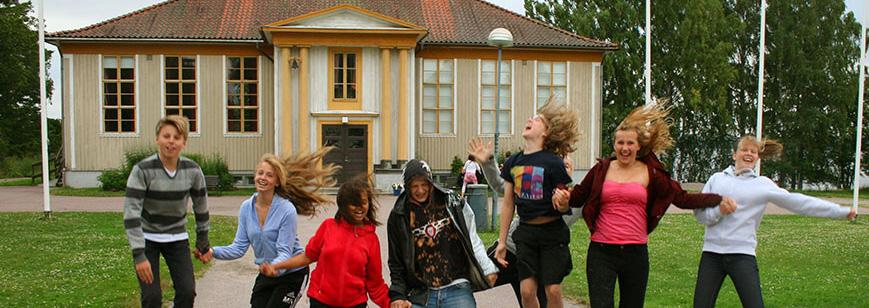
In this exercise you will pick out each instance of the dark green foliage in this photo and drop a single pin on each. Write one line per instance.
(705, 62)
(456, 166)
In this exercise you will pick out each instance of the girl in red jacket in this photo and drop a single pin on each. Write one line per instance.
(348, 252)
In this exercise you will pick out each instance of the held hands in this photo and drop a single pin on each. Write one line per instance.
(481, 152)
(560, 200)
(143, 270)
(204, 258)
(267, 269)
(492, 278)
(501, 254)
(852, 216)
(727, 206)
(400, 304)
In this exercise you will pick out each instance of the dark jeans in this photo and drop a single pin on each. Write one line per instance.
(510, 275)
(606, 263)
(177, 255)
(742, 270)
(282, 291)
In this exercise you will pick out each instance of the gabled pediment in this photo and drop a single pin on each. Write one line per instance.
(343, 17)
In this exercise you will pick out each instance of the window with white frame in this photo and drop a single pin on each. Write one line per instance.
(488, 89)
(551, 81)
(180, 86)
(242, 108)
(437, 96)
(119, 97)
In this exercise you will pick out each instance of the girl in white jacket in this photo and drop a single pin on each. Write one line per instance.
(730, 240)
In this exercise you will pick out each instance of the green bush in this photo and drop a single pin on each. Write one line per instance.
(456, 166)
(214, 164)
(16, 167)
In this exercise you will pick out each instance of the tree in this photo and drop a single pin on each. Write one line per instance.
(19, 83)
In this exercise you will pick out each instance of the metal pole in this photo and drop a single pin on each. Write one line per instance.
(497, 134)
(46, 199)
(648, 71)
(761, 54)
(859, 152)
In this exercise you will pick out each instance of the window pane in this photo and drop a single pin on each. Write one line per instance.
(233, 89)
(338, 91)
(544, 67)
(351, 75)
(233, 63)
(128, 126)
(111, 126)
(172, 111)
(188, 100)
(110, 62)
(188, 88)
(487, 66)
(250, 114)
(189, 61)
(127, 114)
(446, 97)
(543, 79)
(110, 100)
(110, 114)
(351, 91)
(446, 65)
(110, 73)
(250, 88)
(188, 74)
(171, 88)
(189, 113)
(542, 93)
(250, 74)
(561, 93)
(356, 132)
(110, 88)
(250, 62)
(172, 100)
(446, 122)
(429, 121)
(127, 62)
(338, 76)
(429, 77)
(171, 62)
(559, 67)
(233, 74)
(126, 100)
(250, 100)
(233, 114)
(357, 144)
(505, 97)
(233, 100)
(559, 79)
(127, 73)
(429, 65)
(171, 74)
(540, 102)
(126, 87)
(487, 78)
(487, 122)
(351, 60)
(250, 126)
(233, 126)
(338, 61)
(193, 126)
(445, 77)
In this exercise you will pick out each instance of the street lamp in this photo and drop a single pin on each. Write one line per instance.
(499, 37)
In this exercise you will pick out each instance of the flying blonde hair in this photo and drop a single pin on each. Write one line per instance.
(652, 126)
(300, 178)
(562, 127)
(767, 148)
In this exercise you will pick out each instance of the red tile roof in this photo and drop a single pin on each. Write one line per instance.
(449, 22)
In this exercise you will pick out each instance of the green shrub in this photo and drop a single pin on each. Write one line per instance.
(16, 167)
(114, 179)
(214, 164)
(456, 166)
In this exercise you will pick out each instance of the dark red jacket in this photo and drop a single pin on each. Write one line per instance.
(662, 191)
(348, 265)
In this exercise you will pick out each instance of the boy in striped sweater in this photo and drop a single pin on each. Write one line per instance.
(155, 214)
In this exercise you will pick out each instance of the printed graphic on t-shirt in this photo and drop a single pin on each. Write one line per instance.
(528, 182)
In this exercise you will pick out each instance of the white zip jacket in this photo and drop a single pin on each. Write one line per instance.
(737, 232)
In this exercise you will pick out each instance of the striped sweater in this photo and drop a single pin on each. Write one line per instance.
(157, 203)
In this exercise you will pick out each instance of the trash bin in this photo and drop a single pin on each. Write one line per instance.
(476, 195)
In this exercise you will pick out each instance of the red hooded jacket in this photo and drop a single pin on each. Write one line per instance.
(348, 265)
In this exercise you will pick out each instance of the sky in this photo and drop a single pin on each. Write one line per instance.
(68, 15)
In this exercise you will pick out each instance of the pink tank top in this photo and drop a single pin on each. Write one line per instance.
(622, 218)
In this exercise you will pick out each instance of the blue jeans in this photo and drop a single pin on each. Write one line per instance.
(742, 270)
(459, 296)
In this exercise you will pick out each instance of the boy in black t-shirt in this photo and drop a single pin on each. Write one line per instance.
(530, 178)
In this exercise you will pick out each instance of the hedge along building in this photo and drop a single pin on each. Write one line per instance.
(383, 81)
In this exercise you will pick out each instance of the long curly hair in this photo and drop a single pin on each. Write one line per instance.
(652, 126)
(562, 127)
(767, 148)
(300, 178)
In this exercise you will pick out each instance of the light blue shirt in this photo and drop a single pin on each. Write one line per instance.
(276, 241)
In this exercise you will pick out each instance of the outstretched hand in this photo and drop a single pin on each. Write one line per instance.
(480, 152)
(727, 206)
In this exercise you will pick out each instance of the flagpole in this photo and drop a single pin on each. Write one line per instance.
(46, 199)
(859, 152)
(760, 64)
(648, 71)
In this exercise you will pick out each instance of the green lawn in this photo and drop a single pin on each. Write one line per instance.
(97, 192)
(803, 261)
(77, 259)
